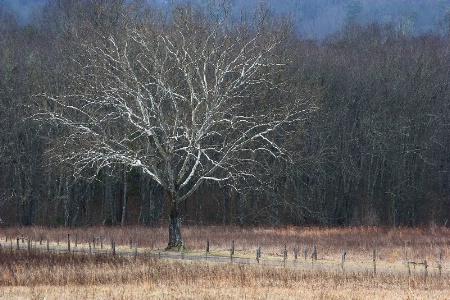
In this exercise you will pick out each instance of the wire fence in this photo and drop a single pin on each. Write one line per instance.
(308, 258)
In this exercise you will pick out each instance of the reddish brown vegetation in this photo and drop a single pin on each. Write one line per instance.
(35, 274)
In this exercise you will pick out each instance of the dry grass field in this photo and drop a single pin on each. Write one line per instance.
(35, 274)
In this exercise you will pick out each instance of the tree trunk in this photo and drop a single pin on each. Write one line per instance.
(175, 239)
(67, 199)
(124, 197)
(81, 191)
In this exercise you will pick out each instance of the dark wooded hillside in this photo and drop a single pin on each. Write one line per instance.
(373, 147)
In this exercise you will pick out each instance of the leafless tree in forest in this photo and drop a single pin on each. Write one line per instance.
(177, 102)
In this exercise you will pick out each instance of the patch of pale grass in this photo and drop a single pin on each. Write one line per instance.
(199, 292)
(34, 275)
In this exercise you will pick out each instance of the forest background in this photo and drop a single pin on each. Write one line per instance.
(375, 150)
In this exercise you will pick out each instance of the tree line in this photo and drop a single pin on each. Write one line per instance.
(219, 120)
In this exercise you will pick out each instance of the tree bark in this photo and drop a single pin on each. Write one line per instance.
(67, 199)
(124, 196)
(175, 239)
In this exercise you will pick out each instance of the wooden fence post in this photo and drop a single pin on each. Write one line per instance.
(207, 248)
(305, 251)
(18, 247)
(113, 246)
(68, 242)
(258, 252)
(284, 254)
(295, 251)
(232, 250)
(425, 264)
(314, 254)
(374, 258)
(344, 253)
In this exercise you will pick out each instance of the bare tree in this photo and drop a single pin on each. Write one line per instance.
(177, 102)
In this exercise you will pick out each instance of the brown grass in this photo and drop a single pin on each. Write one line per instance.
(39, 275)
(392, 244)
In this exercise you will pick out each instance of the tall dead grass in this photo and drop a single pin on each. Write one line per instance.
(42, 275)
(50, 275)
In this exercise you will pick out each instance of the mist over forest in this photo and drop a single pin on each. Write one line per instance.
(314, 19)
(136, 112)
